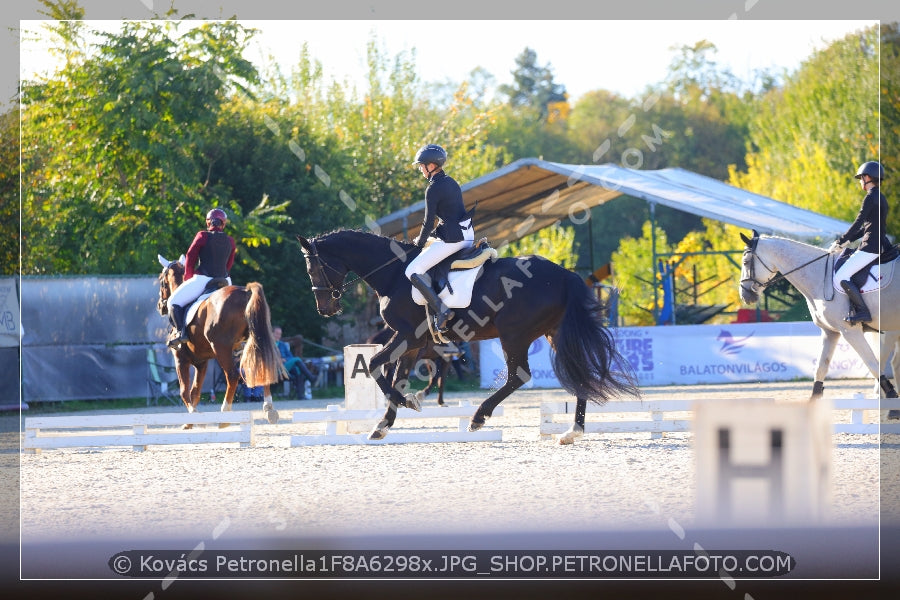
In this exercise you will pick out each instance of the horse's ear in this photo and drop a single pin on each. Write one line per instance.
(745, 238)
(755, 234)
(162, 261)
(304, 243)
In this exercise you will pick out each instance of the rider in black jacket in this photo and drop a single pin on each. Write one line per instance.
(868, 227)
(454, 231)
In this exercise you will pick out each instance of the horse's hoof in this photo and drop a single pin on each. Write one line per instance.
(224, 425)
(413, 402)
(187, 426)
(420, 396)
(272, 416)
(893, 415)
(570, 436)
(475, 425)
(378, 434)
(818, 391)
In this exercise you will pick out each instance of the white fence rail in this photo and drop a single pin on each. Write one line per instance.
(658, 420)
(334, 419)
(137, 430)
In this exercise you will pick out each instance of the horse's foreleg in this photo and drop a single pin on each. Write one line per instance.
(395, 351)
(829, 344)
(184, 384)
(382, 427)
(894, 347)
(197, 387)
(577, 429)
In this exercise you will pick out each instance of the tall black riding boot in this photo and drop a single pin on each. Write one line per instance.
(860, 312)
(443, 313)
(179, 335)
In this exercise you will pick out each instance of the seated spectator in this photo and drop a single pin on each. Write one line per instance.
(296, 368)
(252, 394)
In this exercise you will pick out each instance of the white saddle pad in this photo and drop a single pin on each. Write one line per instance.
(462, 283)
(192, 309)
(880, 276)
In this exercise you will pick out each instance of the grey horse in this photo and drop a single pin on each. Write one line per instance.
(809, 269)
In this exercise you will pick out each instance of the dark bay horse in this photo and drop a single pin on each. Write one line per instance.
(515, 299)
(230, 317)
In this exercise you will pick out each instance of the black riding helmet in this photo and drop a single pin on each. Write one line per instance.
(872, 169)
(432, 153)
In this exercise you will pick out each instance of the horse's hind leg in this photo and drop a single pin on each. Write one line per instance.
(518, 373)
(577, 429)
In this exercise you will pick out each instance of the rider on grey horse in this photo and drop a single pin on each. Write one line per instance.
(444, 202)
(869, 228)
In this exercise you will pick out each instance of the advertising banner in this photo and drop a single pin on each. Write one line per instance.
(696, 354)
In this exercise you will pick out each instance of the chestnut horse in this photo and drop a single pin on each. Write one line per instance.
(515, 299)
(229, 317)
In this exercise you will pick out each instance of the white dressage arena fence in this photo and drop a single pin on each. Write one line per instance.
(335, 416)
(137, 430)
(657, 418)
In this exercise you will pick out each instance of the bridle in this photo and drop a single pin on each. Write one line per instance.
(336, 291)
(313, 254)
(751, 276)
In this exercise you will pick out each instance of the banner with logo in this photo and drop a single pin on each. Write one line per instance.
(9, 313)
(695, 354)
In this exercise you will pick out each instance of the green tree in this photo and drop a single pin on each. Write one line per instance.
(9, 192)
(106, 166)
(808, 138)
(636, 277)
(553, 243)
(533, 85)
(890, 118)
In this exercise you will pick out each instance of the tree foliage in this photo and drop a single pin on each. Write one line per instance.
(533, 86)
(809, 136)
(553, 243)
(106, 166)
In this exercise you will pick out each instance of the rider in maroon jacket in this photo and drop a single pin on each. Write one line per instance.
(210, 256)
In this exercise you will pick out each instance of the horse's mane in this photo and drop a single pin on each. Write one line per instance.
(793, 241)
(403, 243)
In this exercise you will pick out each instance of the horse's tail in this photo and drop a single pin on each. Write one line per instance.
(585, 358)
(260, 360)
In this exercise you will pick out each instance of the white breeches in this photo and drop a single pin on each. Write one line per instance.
(858, 260)
(190, 290)
(436, 252)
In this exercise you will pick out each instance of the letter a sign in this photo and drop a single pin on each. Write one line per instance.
(360, 365)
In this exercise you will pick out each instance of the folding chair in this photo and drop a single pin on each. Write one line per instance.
(162, 381)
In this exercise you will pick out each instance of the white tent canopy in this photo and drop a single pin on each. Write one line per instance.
(530, 194)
